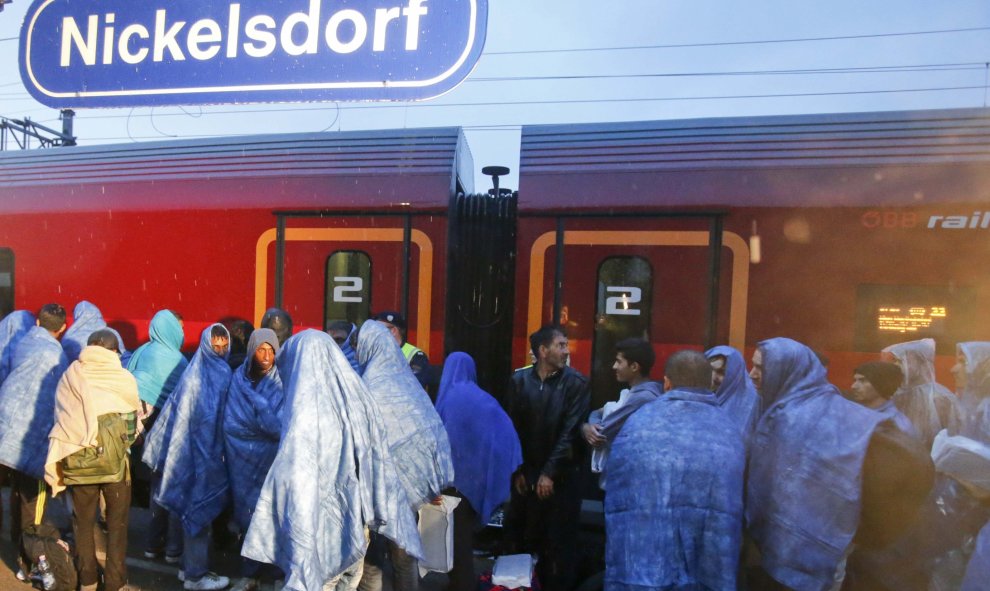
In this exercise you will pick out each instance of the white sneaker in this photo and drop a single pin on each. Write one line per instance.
(22, 577)
(208, 582)
(182, 576)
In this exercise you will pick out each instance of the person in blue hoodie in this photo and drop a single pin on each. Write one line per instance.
(252, 429)
(27, 413)
(186, 447)
(157, 366)
(86, 319)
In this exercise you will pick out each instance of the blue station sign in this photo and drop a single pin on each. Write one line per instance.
(125, 53)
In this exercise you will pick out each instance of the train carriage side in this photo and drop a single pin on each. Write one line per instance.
(320, 224)
(871, 228)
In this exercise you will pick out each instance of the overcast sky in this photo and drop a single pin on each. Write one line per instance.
(556, 61)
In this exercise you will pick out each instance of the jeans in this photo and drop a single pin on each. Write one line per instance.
(196, 554)
(86, 501)
(164, 529)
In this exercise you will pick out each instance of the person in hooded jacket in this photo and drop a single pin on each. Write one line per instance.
(252, 428)
(416, 439)
(485, 450)
(93, 386)
(972, 375)
(333, 479)
(27, 414)
(157, 366)
(929, 405)
(86, 319)
(734, 389)
(186, 447)
(13, 326)
(823, 472)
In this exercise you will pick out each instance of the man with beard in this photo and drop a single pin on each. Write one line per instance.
(546, 404)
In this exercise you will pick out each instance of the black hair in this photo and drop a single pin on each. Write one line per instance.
(279, 321)
(51, 317)
(219, 331)
(104, 338)
(636, 350)
(177, 315)
(688, 369)
(543, 338)
(240, 333)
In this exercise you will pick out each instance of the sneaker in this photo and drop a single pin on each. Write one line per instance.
(246, 584)
(22, 576)
(173, 559)
(182, 575)
(207, 582)
(151, 554)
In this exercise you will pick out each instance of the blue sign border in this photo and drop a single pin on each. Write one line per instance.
(122, 85)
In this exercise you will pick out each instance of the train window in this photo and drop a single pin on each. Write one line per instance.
(348, 293)
(622, 310)
(6, 281)
(888, 314)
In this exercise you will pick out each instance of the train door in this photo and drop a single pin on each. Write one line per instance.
(677, 281)
(322, 267)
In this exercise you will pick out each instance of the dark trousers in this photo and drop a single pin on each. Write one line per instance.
(25, 492)
(548, 528)
(462, 576)
(86, 501)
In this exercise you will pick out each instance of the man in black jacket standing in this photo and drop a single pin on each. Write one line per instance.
(547, 403)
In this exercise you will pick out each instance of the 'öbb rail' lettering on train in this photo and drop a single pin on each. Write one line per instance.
(125, 53)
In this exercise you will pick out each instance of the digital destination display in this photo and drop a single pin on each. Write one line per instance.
(911, 319)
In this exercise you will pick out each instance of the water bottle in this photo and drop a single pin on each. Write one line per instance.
(45, 571)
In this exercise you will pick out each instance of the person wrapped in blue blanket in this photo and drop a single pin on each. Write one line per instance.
(252, 427)
(415, 434)
(674, 507)
(733, 388)
(333, 478)
(27, 414)
(13, 326)
(86, 319)
(486, 452)
(806, 457)
(186, 447)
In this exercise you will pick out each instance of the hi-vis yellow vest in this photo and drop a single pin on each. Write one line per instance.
(409, 350)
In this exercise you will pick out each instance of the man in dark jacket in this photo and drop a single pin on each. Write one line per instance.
(547, 404)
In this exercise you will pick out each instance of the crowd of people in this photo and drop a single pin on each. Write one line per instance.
(323, 446)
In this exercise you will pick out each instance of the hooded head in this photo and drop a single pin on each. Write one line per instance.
(972, 369)
(788, 369)
(166, 329)
(260, 363)
(917, 361)
(279, 321)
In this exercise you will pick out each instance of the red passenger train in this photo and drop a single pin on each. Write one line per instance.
(847, 232)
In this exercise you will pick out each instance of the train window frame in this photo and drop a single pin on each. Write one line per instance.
(366, 288)
(7, 267)
(602, 378)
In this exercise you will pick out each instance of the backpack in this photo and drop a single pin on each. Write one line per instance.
(108, 461)
(42, 539)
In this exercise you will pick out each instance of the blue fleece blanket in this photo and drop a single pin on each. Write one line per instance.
(12, 328)
(737, 394)
(86, 319)
(484, 443)
(186, 443)
(252, 426)
(674, 508)
(333, 476)
(157, 364)
(806, 459)
(27, 402)
(415, 433)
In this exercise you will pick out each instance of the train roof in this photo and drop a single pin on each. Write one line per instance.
(417, 168)
(894, 158)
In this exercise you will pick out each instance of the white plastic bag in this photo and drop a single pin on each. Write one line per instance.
(513, 571)
(436, 530)
(964, 459)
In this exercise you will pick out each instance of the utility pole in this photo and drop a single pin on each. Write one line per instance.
(23, 132)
